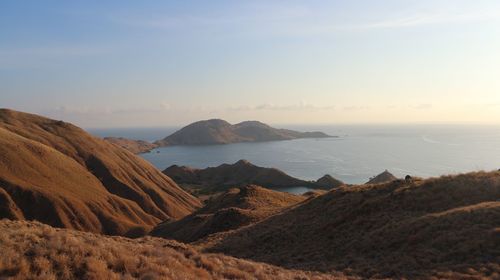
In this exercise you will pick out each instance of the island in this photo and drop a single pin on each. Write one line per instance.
(217, 131)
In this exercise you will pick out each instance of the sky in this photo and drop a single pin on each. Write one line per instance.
(165, 63)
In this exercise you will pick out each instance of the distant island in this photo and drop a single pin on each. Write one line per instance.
(217, 179)
(217, 131)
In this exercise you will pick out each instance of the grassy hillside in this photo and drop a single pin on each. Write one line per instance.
(236, 208)
(31, 250)
(442, 227)
(56, 173)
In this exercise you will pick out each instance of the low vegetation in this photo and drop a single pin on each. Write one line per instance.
(446, 227)
(31, 250)
(235, 208)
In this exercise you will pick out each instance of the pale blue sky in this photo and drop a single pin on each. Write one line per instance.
(159, 63)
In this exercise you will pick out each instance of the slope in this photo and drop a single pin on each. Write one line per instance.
(57, 173)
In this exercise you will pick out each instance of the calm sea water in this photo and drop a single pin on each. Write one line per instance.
(359, 153)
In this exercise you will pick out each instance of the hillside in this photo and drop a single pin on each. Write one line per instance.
(56, 173)
(134, 146)
(241, 173)
(236, 208)
(31, 250)
(383, 177)
(328, 182)
(446, 227)
(216, 131)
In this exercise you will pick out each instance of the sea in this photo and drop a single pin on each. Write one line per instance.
(357, 153)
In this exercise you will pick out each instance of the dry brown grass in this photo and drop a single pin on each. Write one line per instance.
(231, 210)
(446, 227)
(31, 250)
(56, 173)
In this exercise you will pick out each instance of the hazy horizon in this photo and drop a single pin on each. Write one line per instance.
(167, 64)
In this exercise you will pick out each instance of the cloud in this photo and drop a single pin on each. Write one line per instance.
(63, 50)
(427, 19)
(38, 57)
(86, 110)
(356, 108)
(274, 107)
(424, 106)
(295, 20)
(250, 13)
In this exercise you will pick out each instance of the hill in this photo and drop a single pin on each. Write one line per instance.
(383, 177)
(446, 227)
(216, 131)
(242, 173)
(44, 252)
(328, 182)
(134, 146)
(236, 208)
(58, 174)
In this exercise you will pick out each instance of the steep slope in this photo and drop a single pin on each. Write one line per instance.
(31, 250)
(56, 173)
(446, 227)
(383, 177)
(216, 131)
(134, 146)
(236, 208)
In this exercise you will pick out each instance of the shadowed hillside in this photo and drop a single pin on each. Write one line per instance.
(56, 173)
(446, 227)
(216, 131)
(134, 146)
(31, 250)
(383, 177)
(231, 210)
(241, 173)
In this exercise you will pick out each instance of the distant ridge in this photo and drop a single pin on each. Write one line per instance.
(58, 174)
(217, 131)
(134, 146)
(241, 173)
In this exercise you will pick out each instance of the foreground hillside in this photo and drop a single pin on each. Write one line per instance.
(58, 174)
(225, 176)
(31, 250)
(216, 131)
(236, 208)
(446, 227)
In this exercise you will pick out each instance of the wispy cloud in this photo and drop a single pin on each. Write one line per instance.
(427, 19)
(355, 108)
(63, 50)
(254, 14)
(302, 20)
(281, 107)
(86, 110)
(42, 56)
(423, 106)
